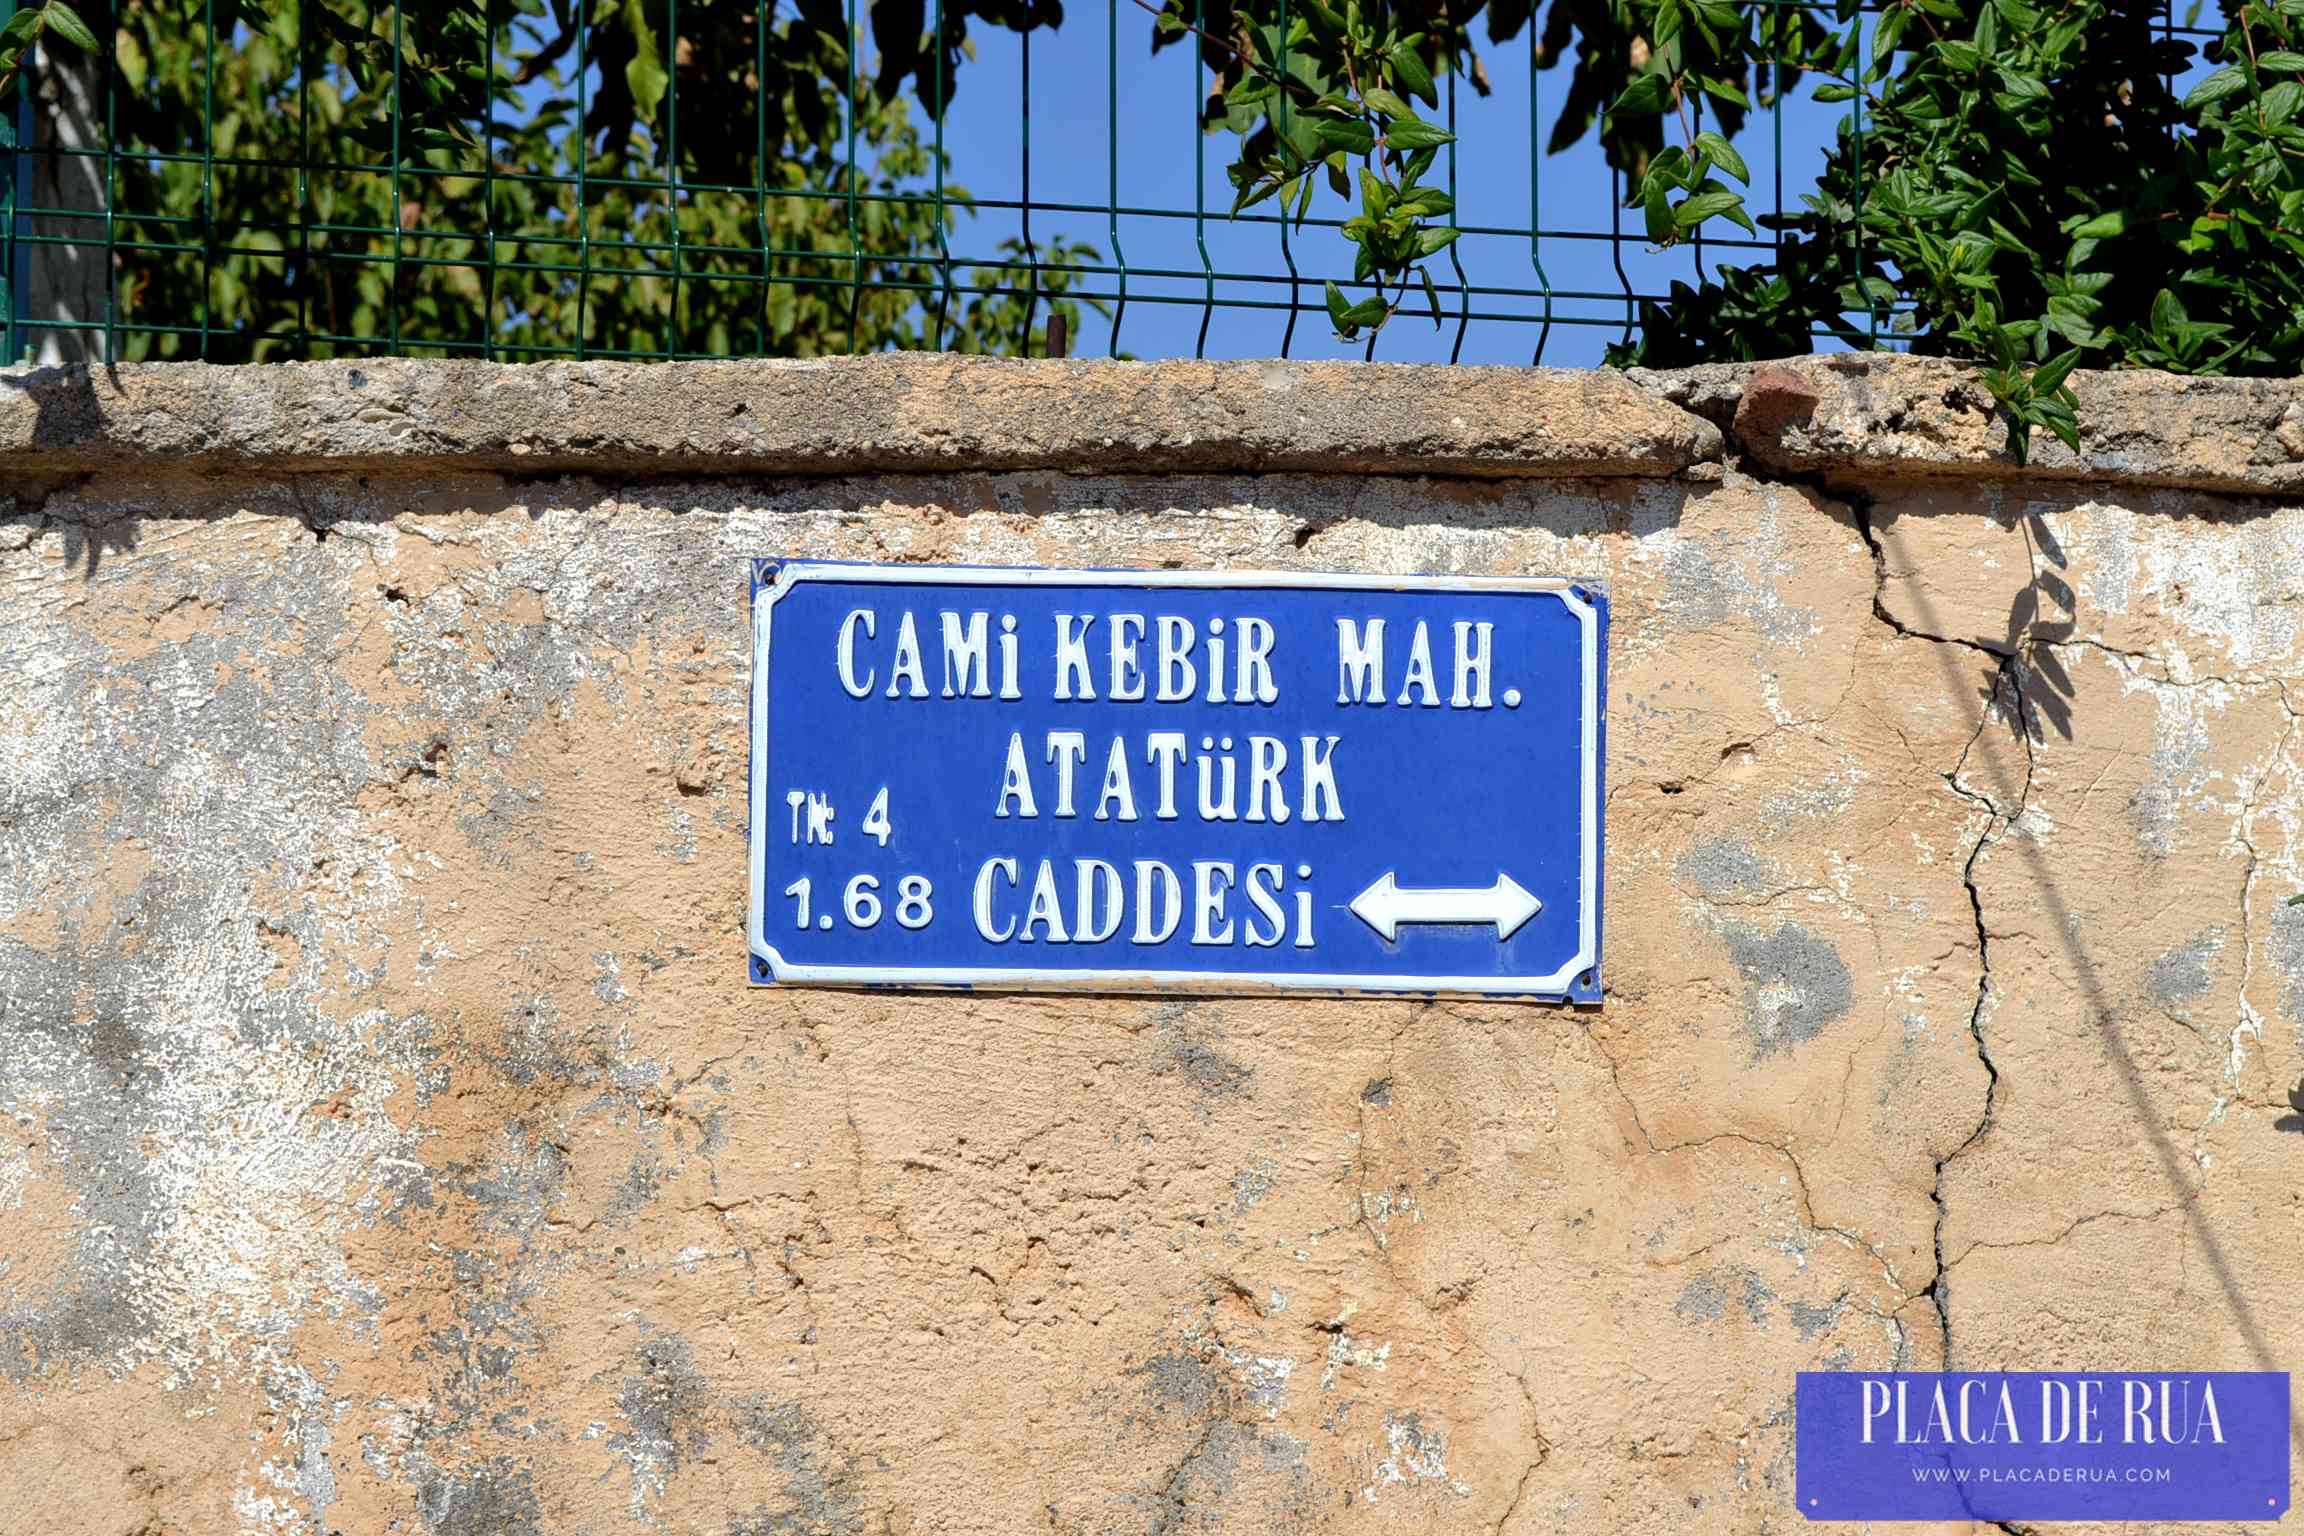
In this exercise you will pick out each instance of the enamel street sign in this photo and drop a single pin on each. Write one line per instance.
(1165, 780)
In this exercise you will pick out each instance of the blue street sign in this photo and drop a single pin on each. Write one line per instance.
(1168, 780)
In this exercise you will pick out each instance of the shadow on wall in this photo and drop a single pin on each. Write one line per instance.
(2294, 1122)
(65, 413)
(2053, 689)
(108, 520)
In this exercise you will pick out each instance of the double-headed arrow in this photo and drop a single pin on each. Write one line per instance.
(1384, 906)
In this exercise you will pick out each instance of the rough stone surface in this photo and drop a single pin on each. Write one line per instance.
(889, 412)
(1859, 415)
(392, 1144)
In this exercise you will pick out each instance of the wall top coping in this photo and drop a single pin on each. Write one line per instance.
(1852, 418)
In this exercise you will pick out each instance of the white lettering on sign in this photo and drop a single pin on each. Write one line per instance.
(1209, 795)
(1098, 900)
(1215, 769)
(1360, 665)
(907, 661)
(1253, 777)
(967, 645)
(1170, 674)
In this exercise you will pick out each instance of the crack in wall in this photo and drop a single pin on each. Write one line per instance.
(2249, 1020)
(2000, 815)
(1999, 818)
(1808, 1216)
(2004, 803)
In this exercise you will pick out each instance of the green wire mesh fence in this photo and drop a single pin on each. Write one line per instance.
(257, 180)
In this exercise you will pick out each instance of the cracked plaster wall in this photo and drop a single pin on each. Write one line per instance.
(391, 1144)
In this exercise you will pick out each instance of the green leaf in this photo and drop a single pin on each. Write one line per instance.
(134, 67)
(644, 73)
(1254, 193)
(1390, 105)
(1867, 293)
(1367, 312)
(2057, 417)
(1661, 229)
(63, 19)
(1375, 197)
(1416, 135)
(2019, 439)
(2018, 90)
(1431, 242)
(1642, 97)
(1704, 205)
(1409, 70)
(2050, 376)
(2280, 62)
(2228, 81)
(1723, 154)
(2102, 227)
(22, 24)
(1348, 134)
(1339, 307)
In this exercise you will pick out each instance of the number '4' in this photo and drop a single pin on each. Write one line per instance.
(876, 819)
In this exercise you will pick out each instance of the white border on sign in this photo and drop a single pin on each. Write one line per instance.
(792, 573)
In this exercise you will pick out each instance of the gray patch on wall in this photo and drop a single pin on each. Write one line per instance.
(1181, 1383)
(1796, 984)
(2181, 975)
(1186, 1035)
(2286, 945)
(819, 1492)
(1712, 582)
(1724, 866)
(665, 1406)
(1705, 1298)
(492, 1499)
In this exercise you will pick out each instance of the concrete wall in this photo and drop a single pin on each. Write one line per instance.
(392, 1144)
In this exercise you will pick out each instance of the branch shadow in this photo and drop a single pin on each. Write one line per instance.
(66, 415)
(2294, 1122)
(2053, 698)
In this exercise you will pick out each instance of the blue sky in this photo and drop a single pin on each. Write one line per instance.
(1162, 157)
(1159, 140)
(1110, 121)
